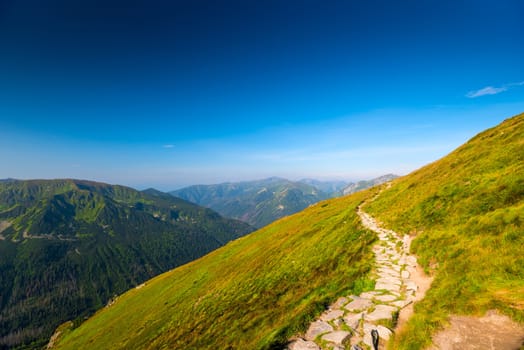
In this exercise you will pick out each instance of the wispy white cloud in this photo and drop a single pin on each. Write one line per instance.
(491, 90)
(488, 90)
(520, 83)
(168, 146)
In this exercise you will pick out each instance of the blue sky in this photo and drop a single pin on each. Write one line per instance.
(172, 93)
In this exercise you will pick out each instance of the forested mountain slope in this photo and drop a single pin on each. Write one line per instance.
(68, 246)
(258, 203)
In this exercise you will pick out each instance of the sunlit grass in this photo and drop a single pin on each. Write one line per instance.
(467, 211)
(253, 293)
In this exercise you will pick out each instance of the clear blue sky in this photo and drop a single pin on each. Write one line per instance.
(172, 93)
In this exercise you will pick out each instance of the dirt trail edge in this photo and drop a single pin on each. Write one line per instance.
(350, 320)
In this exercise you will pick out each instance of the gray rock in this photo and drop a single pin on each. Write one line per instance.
(387, 272)
(301, 344)
(353, 320)
(367, 339)
(381, 312)
(331, 315)
(384, 332)
(385, 298)
(391, 280)
(411, 260)
(340, 302)
(410, 285)
(401, 303)
(337, 337)
(359, 304)
(316, 328)
(338, 323)
(369, 295)
(387, 286)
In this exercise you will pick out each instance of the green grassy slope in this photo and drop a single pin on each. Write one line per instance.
(253, 293)
(68, 246)
(467, 211)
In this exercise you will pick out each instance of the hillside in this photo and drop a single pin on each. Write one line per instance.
(68, 246)
(251, 294)
(258, 203)
(467, 212)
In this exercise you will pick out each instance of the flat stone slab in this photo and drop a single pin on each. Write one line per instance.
(395, 267)
(337, 337)
(388, 272)
(391, 280)
(386, 298)
(387, 286)
(353, 320)
(316, 328)
(359, 304)
(405, 274)
(381, 312)
(331, 315)
(301, 344)
(410, 285)
(368, 340)
(340, 302)
(411, 260)
(384, 333)
(401, 303)
(369, 295)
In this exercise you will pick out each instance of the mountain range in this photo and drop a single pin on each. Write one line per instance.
(465, 211)
(364, 184)
(261, 202)
(258, 203)
(68, 246)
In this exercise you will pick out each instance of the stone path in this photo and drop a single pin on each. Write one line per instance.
(347, 324)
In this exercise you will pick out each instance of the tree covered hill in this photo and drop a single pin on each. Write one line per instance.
(68, 246)
(258, 203)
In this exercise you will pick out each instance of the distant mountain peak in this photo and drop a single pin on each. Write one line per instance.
(257, 202)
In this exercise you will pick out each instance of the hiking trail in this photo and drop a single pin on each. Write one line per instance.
(350, 320)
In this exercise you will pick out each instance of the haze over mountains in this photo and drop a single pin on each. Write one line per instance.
(261, 202)
(465, 209)
(68, 246)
